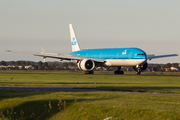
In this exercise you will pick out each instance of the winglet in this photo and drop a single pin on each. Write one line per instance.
(74, 42)
(42, 50)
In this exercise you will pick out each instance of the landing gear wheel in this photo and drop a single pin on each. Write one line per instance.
(138, 73)
(89, 72)
(119, 72)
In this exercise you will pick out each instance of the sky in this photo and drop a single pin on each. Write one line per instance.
(28, 25)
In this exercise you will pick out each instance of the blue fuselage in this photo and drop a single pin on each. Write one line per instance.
(111, 53)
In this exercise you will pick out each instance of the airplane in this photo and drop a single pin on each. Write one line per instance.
(88, 59)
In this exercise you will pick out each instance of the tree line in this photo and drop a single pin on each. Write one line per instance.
(16, 65)
(163, 67)
(73, 66)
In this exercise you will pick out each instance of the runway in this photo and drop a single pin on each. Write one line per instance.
(71, 89)
(47, 89)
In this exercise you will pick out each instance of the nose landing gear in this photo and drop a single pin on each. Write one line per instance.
(138, 72)
(138, 67)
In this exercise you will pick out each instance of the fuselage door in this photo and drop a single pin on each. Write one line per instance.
(130, 55)
(100, 55)
(86, 55)
(117, 55)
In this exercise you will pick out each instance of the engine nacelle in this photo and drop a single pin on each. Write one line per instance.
(86, 65)
(142, 67)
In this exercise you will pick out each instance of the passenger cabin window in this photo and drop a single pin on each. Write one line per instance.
(140, 54)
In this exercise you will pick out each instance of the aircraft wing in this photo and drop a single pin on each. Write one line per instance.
(160, 56)
(57, 56)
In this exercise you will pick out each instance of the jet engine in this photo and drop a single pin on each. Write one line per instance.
(86, 65)
(142, 67)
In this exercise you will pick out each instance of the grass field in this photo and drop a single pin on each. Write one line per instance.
(106, 81)
(91, 106)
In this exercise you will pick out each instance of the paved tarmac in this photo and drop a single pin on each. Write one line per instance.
(71, 89)
(47, 89)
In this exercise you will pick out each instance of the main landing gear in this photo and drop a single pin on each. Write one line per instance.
(118, 71)
(89, 72)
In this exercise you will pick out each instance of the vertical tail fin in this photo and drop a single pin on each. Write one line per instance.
(74, 43)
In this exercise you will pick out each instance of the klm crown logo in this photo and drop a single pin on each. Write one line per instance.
(124, 52)
(74, 42)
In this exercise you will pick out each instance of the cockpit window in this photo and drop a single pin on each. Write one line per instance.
(140, 54)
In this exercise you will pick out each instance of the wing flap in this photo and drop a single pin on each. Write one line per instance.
(57, 56)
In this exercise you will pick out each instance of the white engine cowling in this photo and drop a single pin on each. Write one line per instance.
(86, 65)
